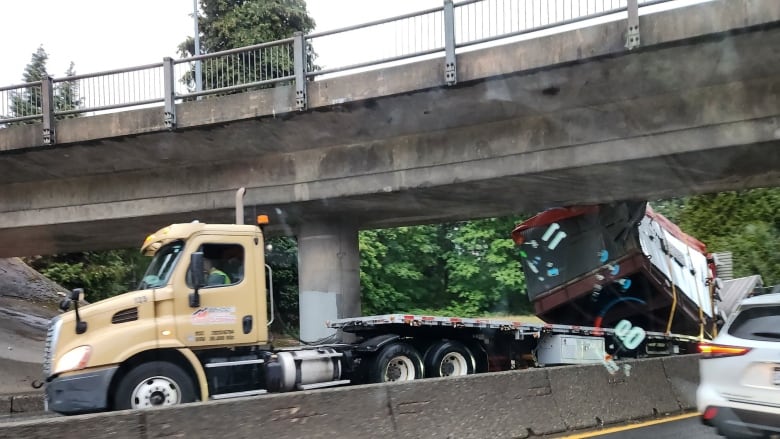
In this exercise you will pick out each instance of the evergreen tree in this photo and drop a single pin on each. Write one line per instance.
(66, 96)
(230, 24)
(29, 102)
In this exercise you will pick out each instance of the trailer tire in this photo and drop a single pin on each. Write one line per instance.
(449, 358)
(396, 362)
(153, 384)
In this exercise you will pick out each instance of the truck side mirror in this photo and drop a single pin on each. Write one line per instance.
(77, 294)
(198, 280)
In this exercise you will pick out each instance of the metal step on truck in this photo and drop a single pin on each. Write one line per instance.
(197, 329)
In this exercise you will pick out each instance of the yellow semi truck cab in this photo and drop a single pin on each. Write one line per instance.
(154, 346)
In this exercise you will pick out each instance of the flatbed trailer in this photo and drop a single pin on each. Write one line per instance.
(500, 344)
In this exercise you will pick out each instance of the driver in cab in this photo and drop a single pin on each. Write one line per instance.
(214, 276)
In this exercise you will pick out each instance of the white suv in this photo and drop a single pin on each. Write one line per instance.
(739, 392)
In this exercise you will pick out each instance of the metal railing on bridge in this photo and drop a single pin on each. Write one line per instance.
(446, 30)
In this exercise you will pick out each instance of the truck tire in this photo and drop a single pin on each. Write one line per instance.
(449, 358)
(396, 362)
(154, 384)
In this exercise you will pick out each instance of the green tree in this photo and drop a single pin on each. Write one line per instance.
(467, 268)
(66, 95)
(230, 24)
(671, 208)
(747, 223)
(29, 101)
(283, 260)
(101, 274)
(484, 268)
(403, 269)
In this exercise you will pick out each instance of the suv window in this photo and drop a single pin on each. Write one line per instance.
(757, 323)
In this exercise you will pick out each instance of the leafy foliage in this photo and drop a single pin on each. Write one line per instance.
(230, 24)
(101, 274)
(464, 268)
(402, 269)
(484, 268)
(746, 223)
(283, 260)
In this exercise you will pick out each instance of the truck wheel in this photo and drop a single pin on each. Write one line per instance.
(448, 358)
(396, 362)
(154, 384)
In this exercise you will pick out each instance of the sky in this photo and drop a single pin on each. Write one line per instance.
(101, 35)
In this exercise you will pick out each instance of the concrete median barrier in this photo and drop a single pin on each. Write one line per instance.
(683, 375)
(506, 404)
(349, 412)
(20, 405)
(589, 396)
(31, 403)
(516, 404)
(5, 404)
(125, 425)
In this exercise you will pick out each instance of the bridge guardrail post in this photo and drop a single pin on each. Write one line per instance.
(47, 110)
(169, 116)
(450, 63)
(299, 58)
(632, 36)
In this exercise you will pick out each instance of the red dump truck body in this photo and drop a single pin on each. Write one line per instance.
(597, 265)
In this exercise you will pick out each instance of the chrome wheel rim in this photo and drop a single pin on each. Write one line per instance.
(154, 392)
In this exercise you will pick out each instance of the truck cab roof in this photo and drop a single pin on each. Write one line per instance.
(183, 231)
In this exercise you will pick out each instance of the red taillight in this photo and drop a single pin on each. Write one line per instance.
(709, 350)
(710, 413)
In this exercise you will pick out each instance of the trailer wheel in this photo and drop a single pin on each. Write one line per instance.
(449, 358)
(396, 362)
(154, 384)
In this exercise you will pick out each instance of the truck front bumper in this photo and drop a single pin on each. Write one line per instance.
(81, 393)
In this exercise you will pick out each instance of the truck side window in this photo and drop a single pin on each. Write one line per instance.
(223, 263)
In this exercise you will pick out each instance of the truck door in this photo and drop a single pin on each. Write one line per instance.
(228, 302)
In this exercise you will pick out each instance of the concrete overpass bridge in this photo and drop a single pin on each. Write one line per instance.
(571, 117)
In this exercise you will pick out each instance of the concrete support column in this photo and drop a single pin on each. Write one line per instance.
(328, 275)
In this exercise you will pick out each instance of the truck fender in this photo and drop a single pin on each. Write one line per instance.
(374, 344)
(200, 374)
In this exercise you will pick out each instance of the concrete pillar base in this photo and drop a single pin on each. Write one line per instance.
(328, 275)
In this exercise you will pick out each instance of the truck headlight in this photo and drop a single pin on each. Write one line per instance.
(75, 359)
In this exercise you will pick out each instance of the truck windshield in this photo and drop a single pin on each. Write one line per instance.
(161, 267)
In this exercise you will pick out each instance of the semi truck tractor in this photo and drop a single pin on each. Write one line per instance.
(196, 329)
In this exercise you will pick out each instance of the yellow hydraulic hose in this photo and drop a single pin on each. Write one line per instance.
(698, 296)
(674, 295)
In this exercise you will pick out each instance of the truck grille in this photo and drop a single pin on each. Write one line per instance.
(51, 341)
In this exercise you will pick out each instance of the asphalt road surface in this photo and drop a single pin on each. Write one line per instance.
(687, 428)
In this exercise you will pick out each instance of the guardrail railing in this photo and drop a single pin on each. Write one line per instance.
(108, 90)
(239, 69)
(293, 61)
(22, 101)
